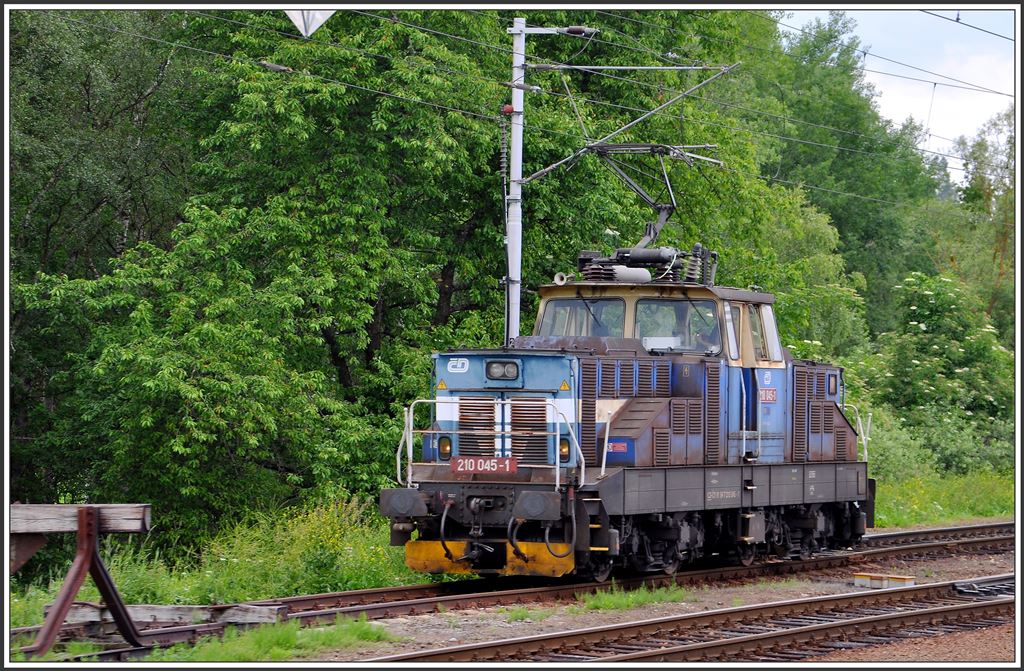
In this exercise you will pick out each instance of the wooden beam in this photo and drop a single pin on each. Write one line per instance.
(143, 615)
(33, 518)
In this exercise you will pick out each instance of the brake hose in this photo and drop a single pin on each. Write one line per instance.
(444, 515)
(511, 533)
(572, 545)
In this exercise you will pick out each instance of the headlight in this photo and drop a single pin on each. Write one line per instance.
(444, 447)
(502, 370)
(563, 449)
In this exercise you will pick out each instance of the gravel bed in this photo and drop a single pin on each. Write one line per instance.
(452, 628)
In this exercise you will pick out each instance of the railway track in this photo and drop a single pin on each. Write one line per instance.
(781, 631)
(428, 598)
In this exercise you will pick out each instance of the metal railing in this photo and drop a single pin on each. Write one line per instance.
(865, 435)
(607, 435)
(409, 432)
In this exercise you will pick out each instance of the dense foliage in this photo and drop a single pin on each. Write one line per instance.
(228, 279)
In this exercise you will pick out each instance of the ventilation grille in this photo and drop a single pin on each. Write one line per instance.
(476, 427)
(663, 373)
(678, 416)
(841, 445)
(588, 411)
(645, 378)
(694, 418)
(800, 398)
(608, 378)
(662, 447)
(829, 417)
(627, 379)
(530, 430)
(815, 417)
(712, 431)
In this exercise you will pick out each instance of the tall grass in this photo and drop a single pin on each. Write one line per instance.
(940, 500)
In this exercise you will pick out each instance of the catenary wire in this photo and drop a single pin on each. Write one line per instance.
(959, 22)
(890, 60)
(662, 88)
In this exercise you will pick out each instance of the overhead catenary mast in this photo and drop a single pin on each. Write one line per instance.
(514, 198)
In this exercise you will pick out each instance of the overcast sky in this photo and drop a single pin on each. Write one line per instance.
(961, 51)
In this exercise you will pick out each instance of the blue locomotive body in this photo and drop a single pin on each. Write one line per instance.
(647, 422)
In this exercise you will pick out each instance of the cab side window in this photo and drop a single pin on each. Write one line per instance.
(732, 326)
(757, 332)
(771, 333)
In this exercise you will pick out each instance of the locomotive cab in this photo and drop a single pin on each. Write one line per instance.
(651, 418)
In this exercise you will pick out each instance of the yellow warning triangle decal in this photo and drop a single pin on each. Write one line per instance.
(442, 385)
(565, 386)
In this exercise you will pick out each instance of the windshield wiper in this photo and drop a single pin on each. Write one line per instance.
(589, 309)
(696, 309)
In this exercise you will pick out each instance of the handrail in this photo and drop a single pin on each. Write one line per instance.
(576, 444)
(607, 433)
(759, 417)
(559, 418)
(743, 419)
(865, 436)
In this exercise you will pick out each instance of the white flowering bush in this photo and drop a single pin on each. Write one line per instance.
(946, 354)
(946, 373)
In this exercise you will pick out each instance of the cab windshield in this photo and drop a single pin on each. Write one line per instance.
(603, 317)
(678, 325)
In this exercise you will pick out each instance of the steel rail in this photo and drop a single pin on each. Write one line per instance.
(420, 599)
(937, 533)
(727, 632)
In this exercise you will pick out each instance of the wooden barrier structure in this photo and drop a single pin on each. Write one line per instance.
(29, 525)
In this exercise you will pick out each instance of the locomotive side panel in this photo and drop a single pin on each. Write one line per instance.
(787, 485)
(684, 489)
(819, 483)
(644, 491)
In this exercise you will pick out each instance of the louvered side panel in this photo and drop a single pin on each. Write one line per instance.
(645, 379)
(829, 417)
(529, 430)
(819, 388)
(841, 445)
(663, 383)
(588, 410)
(476, 427)
(627, 378)
(608, 386)
(662, 447)
(694, 417)
(679, 416)
(816, 417)
(800, 394)
(713, 416)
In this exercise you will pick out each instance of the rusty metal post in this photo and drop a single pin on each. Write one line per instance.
(87, 562)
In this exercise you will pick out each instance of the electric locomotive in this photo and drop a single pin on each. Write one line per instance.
(651, 419)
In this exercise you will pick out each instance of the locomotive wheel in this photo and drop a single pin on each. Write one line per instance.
(746, 554)
(671, 567)
(599, 571)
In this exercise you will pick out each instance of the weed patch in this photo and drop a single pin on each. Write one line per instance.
(615, 598)
(275, 643)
